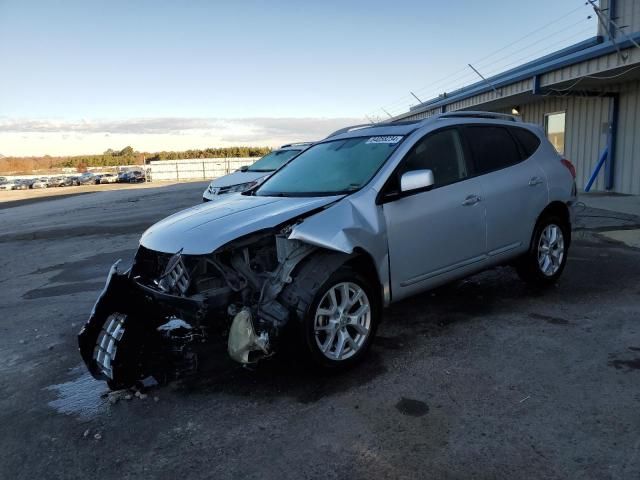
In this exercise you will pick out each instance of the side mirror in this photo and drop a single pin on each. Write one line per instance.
(244, 168)
(416, 180)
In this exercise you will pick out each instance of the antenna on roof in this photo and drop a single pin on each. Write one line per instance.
(485, 80)
(390, 116)
(369, 118)
(416, 97)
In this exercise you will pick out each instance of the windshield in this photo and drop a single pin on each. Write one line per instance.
(273, 161)
(330, 168)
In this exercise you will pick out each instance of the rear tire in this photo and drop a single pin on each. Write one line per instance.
(543, 264)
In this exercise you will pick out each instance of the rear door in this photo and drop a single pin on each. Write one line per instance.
(515, 186)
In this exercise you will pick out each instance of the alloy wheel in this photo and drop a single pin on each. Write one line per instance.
(550, 250)
(342, 321)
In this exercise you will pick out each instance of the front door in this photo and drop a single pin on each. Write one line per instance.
(434, 235)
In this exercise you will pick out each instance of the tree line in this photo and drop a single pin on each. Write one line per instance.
(126, 156)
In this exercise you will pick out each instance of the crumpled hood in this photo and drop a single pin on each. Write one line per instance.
(203, 229)
(236, 178)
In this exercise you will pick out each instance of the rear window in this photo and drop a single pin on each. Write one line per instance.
(528, 141)
(492, 148)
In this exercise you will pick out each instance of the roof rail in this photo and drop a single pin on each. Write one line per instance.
(351, 128)
(479, 114)
(297, 144)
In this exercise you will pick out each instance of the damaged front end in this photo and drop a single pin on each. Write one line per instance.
(158, 317)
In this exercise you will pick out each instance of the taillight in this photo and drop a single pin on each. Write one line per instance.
(569, 166)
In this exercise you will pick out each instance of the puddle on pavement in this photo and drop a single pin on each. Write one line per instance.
(550, 319)
(81, 397)
(91, 268)
(64, 289)
(411, 407)
(626, 365)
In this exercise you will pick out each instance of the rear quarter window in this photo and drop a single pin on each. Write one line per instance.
(529, 142)
(492, 148)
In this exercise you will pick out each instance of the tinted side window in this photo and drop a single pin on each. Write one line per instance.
(528, 141)
(492, 148)
(440, 152)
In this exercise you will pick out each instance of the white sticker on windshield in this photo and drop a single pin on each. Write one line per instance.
(385, 139)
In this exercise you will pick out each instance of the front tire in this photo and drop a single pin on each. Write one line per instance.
(340, 323)
(543, 264)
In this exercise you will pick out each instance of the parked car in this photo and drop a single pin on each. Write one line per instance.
(8, 185)
(136, 176)
(366, 217)
(22, 184)
(97, 178)
(84, 179)
(123, 177)
(58, 181)
(41, 183)
(249, 176)
(109, 178)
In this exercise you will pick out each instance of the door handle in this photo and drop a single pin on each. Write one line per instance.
(471, 200)
(535, 181)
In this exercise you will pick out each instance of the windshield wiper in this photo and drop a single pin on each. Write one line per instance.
(276, 194)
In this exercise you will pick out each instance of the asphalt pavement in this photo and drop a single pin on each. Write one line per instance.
(484, 378)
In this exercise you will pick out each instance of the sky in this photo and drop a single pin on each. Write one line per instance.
(80, 77)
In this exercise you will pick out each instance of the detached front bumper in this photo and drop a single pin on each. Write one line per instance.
(121, 341)
(113, 316)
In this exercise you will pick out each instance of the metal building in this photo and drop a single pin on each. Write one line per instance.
(586, 96)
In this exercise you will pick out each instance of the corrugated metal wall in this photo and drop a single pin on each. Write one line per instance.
(506, 91)
(594, 66)
(587, 120)
(627, 13)
(586, 134)
(627, 164)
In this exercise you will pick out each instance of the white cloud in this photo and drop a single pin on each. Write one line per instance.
(56, 137)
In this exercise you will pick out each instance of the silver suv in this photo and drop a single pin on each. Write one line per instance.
(251, 175)
(366, 217)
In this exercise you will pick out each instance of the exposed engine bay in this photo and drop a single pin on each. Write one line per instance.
(152, 319)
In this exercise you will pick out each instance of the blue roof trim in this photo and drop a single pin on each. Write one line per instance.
(533, 63)
(586, 50)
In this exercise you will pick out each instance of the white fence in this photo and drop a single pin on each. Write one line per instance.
(199, 168)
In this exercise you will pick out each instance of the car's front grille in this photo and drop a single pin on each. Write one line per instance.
(176, 279)
(170, 273)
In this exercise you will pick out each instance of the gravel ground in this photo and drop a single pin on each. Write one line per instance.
(484, 378)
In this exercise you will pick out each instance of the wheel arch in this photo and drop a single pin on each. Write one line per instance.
(555, 208)
(362, 261)
(317, 267)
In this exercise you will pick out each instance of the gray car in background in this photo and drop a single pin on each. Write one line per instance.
(366, 217)
(249, 176)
